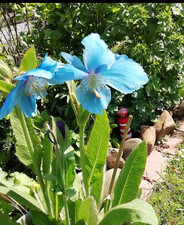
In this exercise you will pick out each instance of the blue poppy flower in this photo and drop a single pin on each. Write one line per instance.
(101, 69)
(31, 86)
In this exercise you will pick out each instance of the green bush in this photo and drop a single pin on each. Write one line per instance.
(149, 33)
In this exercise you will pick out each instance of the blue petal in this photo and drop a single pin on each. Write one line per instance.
(96, 53)
(67, 72)
(27, 104)
(48, 64)
(37, 73)
(74, 61)
(9, 103)
(90, 102)
(125, 75)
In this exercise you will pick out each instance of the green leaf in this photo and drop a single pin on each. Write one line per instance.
(81, 222)
(22, 198)
(88, 211)
(19, 181)
(5, 219)
(56, 132)
(47, 155)
(69, 166)
(83, 116)
(73, 207)
(136, 212)
(22, 151)
(27, 142)
(96, 154)
(5, 208)
(127, 184)
(5, 72)
(66, 152)
(35, 141)
(72, 91)
(41, 218)
(5, 88)
(29, 60)
(49, 177)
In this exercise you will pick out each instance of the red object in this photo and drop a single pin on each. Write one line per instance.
(122, 120)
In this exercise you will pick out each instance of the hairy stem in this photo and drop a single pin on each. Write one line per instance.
(82, 156)
(119, 154)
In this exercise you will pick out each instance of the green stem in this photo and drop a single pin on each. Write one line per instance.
(31, 150)
(62, 174)
(56, 206)
(82, 155)
(60, 167)
(66, 210)
(119, 154)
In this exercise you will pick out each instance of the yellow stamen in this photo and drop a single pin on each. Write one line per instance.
(97, 94)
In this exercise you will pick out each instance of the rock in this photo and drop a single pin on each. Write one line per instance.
(107, 180)
(164, 125)
(178, 111)
(129, 146)
(148, 134)
(111, 159)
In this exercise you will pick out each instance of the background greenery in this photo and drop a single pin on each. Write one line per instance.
(152, 34)
(149, 33)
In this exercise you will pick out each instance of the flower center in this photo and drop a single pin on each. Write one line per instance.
(35, 86)
(93, 83)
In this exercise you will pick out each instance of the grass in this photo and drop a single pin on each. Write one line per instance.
(167, 198)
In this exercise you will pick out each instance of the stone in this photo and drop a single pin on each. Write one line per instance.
(129, 146)
(164, 125)
(107, 180)
(178, 111)
(148, 134)
(111, 159)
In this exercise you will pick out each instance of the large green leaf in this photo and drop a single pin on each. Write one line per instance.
(5, 72)
(22, 150)
(40, 218)
(47, 155)
(137, 212)
(5, 88)
(66, 152)
(88, 211)
(37, 154)
(5, 219)
(22, 142)
(128, 182)
(29, 60)
(17, 180)
(22, 198)
(96, 154)
(81, 222)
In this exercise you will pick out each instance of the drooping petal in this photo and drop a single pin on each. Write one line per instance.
(89, 100)
(26, 103)
(9, 103)
(37, 73)
(96, 53)
(74, 61)
(67, 72)
(125, 75)
(48, 64)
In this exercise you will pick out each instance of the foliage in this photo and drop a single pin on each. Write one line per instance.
(58, 195)
(149, 33)
(168, 196)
